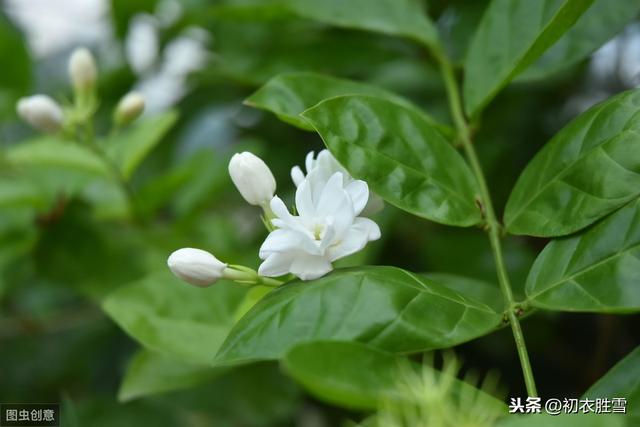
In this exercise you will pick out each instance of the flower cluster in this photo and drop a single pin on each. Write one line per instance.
(326, 224)
(45, 114)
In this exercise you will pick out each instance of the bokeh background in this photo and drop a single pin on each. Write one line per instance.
(56, 265)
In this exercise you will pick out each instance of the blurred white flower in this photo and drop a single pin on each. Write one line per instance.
(41, 112)
(129, 108)
(325, 165)
(142, 43)
(82, 69)
(195, 266)
(253, 178)
(326, 228)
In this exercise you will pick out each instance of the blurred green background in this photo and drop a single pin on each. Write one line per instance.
(59, 261)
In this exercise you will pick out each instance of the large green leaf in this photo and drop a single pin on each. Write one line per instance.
(386, 307)
(403, 18)
(129, 149)
(356, 375)
(53, 152)
(590, 168)
(487, 293)
(510, 37)
(594, 28)
(152, 373)
(402, 157)
(596, 270)
(288, 95)
(623, 380)
(175, 319)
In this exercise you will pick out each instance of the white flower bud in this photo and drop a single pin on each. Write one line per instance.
(253, 178)
(82, 70)
(129, 108)
(41, 112)
(196, 266)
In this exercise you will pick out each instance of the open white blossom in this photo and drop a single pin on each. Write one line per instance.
(326, 228)
(326, 165)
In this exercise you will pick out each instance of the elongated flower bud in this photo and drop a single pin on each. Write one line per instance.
(41, 112)
(82, 70)
(195, 266)
(253, 178)
(129, 108)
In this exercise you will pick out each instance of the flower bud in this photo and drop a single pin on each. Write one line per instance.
(82, 70)
(253, 178)
(41, 112)
(196, 266)
(129, 108)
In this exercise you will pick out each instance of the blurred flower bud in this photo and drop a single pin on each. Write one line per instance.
(129, 108)
(82, 70)
(196, 266)
(253, 178)
(41, 112)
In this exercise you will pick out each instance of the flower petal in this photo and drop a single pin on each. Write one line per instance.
(309, 267)
(288, 240)
(277, 264)
(297, 176)
(359, 192)
(362, 231)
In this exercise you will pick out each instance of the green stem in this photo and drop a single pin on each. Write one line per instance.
(493, 226)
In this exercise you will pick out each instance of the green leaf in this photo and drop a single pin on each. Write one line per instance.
(18, 191)
(152, 373)
(597, 270)
(52, 152)
(510, 37)
(402, 157)
(487, 293)
(386, 307)
(129, 149)
(341, 372)
(595, 27)
(357, 376)
(404, 18)
(172, 318)
(623, 380)
(590, 168)
(288, 95)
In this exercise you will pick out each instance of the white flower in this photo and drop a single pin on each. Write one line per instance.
(326, 229)
(326, 165)
(253, 178)
(196, 266)
(82, 69)
(41, 112)
(129, 108)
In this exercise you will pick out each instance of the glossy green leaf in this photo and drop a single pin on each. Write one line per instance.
(402, 157)
(596, 270)
(487, 293)
(594, 28)
(623, 380)
(129, 149)
(590, 168)
(152, 373)
(510, 37)
(341, 372)
(386, 307)
(404, 18)
(355, 375)
(173, 318)
(288, 95)
(52, 152)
